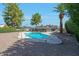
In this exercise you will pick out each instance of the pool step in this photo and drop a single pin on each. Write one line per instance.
(54, 40)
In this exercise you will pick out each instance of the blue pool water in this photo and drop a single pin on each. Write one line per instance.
(36, 35)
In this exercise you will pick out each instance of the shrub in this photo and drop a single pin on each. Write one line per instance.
(72, 28)
(77, 36)
(69, 27)
(7, 29)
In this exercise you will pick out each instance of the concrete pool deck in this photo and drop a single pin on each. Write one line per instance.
(10, 45)
(7, 40)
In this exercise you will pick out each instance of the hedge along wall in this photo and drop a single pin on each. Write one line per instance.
(72, 28)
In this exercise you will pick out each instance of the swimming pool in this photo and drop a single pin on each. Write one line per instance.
(40, 37)
(36, 35)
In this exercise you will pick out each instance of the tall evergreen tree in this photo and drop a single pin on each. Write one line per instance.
(12, 15)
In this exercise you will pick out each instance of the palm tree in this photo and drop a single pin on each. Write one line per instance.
(60, 8)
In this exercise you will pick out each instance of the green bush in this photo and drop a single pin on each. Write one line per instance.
(10, 29)
(72, 28)
(67, 28)
(7, 29)
(77, 36)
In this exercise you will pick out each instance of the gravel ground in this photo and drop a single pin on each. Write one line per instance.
(69, 47)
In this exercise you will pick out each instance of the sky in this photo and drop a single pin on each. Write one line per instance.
(46, 10)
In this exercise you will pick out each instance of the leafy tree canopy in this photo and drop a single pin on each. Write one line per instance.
(12, 15)
(36, 19)
(73, 11)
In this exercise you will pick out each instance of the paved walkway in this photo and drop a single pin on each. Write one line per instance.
(28, 48)
(7, 39)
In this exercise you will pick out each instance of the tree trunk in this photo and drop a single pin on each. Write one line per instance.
(61, 23)
(61, 26)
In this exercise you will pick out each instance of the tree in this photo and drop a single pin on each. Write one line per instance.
(72, 25)
(36, 19)
(73, 12)
(12, 15)
(60, 8)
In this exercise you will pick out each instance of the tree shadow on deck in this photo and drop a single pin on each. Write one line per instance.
(28, 48)
(24, 47)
